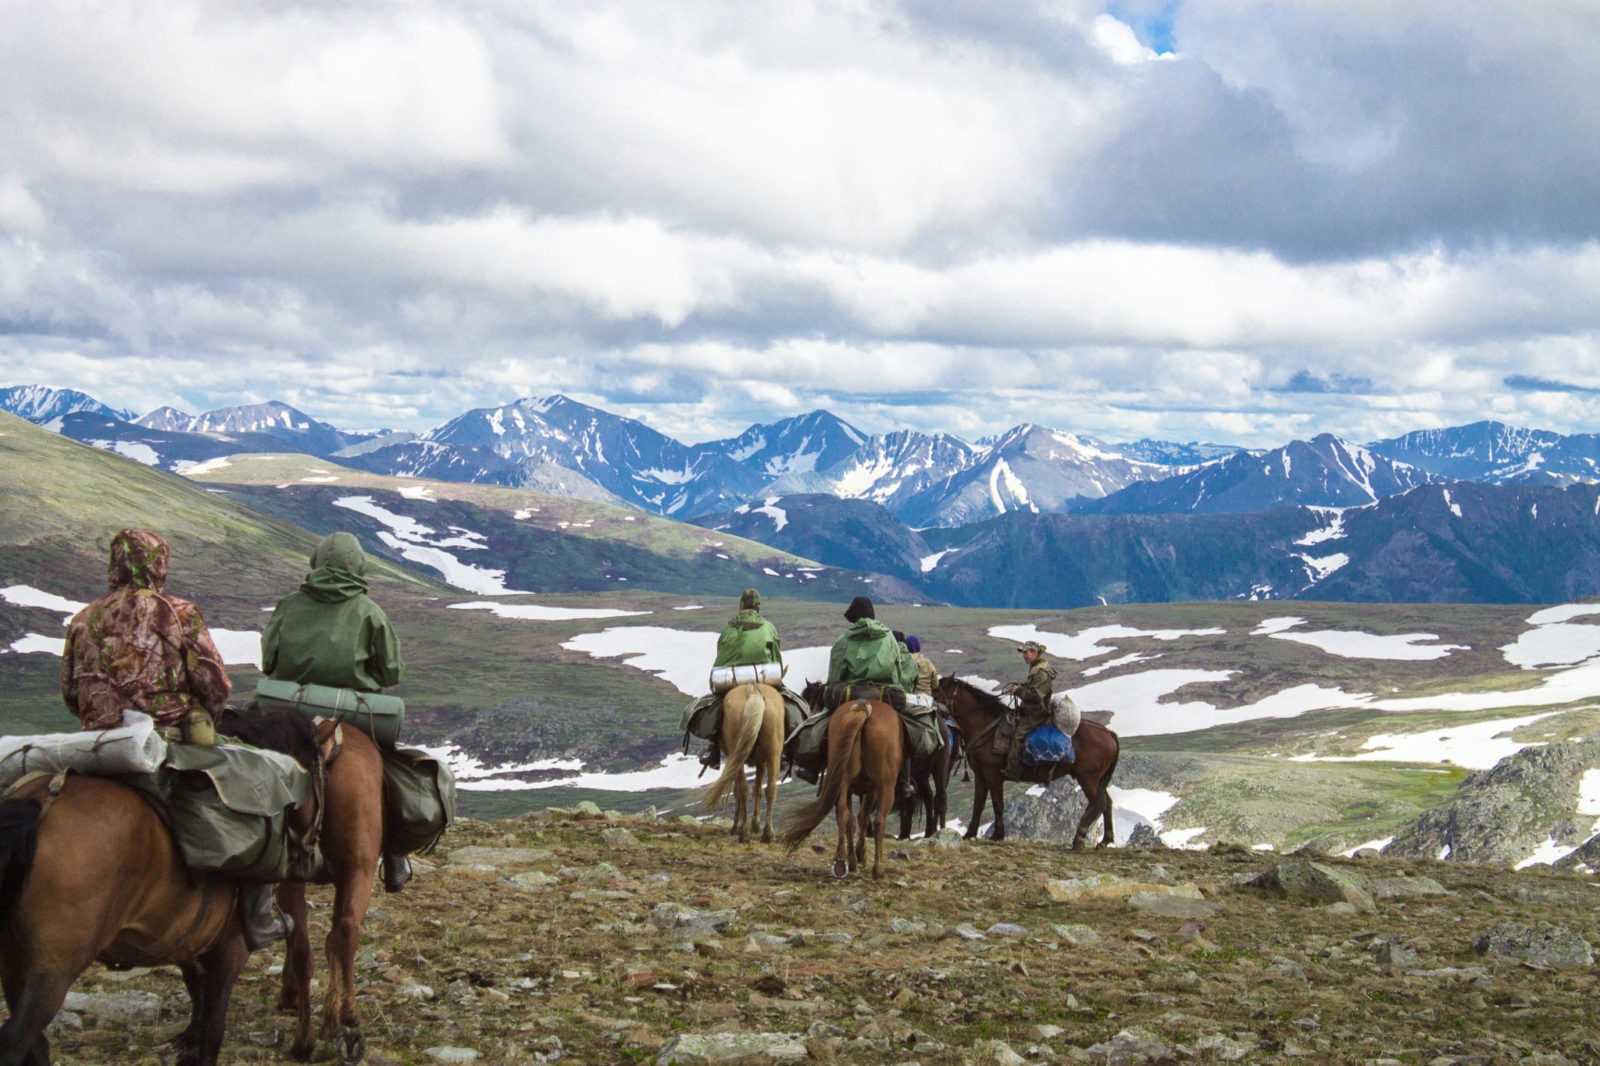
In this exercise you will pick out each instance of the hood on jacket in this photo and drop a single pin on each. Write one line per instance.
(138, 560)
(338, 569)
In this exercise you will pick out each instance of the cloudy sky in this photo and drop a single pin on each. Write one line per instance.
(1193, 219)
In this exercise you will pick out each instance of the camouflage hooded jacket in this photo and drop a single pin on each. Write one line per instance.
(138, 648)
(330, 632)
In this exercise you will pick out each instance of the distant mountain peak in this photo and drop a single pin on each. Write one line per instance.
(45, 403)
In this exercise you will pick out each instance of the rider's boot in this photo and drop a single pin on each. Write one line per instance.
(263, 922)
(907, 790)
(712, 759)
(396, 871)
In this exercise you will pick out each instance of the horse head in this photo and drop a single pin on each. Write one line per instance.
(958, 694)
(812, 694)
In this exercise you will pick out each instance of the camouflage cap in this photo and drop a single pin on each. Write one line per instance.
(1032, 645)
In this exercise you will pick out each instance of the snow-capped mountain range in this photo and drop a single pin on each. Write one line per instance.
(559, 445)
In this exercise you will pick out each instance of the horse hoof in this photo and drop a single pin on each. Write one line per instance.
(839, 869)
(352, 1047)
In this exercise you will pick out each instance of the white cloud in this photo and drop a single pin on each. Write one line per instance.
(714, 214)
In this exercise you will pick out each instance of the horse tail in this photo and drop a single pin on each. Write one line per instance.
(797, 826)
(19, 840)
(754, 710)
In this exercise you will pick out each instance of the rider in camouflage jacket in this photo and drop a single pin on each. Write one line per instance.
(1033, 702)
(139, 648)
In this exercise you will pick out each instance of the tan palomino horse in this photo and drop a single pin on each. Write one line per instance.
(866, 741)
(751, 735)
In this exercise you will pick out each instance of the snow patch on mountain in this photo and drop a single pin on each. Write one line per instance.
(779, 516)
(415, 542)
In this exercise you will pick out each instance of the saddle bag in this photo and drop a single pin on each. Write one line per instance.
(375, 714)
(228, 806)
(1065, 714)
(922, 725)
(1046, 743)
(419, 800)
(701, 717)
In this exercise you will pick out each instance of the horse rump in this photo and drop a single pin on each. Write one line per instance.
(19, 840)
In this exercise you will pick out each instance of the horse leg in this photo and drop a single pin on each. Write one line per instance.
(1108, 837)
(1095, 798)
(294, 990)
(885, 800)
(980, 796)
(34, 1000)
(741, 824)
(773, 766)
(843, 829)
(341, 1019)
(997, 796)
(210, 984)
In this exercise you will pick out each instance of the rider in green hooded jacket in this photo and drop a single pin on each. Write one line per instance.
(331, 633)
(747, 640)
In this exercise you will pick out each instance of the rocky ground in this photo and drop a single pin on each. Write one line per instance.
(570, 936)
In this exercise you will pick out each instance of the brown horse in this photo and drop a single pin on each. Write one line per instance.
(89, 870)
(977, 714)
(102, 878)
(752, 735)
(351, 841)
(866, 741)
(930, 779)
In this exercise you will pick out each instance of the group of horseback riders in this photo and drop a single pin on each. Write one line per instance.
(141, 648)
(870, 653)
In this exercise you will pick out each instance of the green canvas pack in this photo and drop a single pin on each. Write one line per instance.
(375, 714)
(419, 800)
(228, 806)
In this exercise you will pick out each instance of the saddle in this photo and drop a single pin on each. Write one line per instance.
(844, 691)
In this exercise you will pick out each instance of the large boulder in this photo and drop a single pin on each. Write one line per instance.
(1502, 815)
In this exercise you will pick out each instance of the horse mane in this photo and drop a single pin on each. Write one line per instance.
(277, 729)
(987, 701)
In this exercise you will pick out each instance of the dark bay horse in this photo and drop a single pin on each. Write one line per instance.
(866, 741)
(930, 777)
(751, 735)
(977, 714)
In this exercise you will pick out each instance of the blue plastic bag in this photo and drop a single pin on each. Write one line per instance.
(1047, 744)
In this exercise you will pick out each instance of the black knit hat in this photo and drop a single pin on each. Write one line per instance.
(860, 607)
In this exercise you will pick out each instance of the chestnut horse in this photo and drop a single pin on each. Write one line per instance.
(751, 735)
(977, 715)
(91, 872)
(866, 741)
(352, 839)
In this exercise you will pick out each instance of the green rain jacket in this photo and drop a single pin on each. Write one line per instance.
(330, 633)
(747, 640)
(869, 652)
